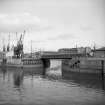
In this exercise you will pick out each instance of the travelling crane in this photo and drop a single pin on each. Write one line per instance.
(18, 50)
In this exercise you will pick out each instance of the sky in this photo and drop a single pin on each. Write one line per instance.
(53, 24)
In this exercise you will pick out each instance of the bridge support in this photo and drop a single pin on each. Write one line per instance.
(46, 64)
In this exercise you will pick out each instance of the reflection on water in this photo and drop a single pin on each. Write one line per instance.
(87, 80)
(18, 78)
(20, 87)
(4, 70)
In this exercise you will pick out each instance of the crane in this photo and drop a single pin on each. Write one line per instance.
(18, 50)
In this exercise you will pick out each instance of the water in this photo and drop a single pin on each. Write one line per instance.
(19, 87)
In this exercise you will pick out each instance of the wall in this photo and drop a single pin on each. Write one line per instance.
(83, 65)
(99, 53)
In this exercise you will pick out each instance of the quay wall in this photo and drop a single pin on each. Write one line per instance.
(84, 65)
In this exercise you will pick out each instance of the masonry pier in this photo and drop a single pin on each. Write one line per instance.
(46, 64)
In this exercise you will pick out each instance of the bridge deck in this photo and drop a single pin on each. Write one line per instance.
(70, 56)
(61, 56)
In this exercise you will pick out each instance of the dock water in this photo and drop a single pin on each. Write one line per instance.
(27, 87)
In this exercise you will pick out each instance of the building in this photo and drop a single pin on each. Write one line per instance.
(2, 55)
(48, 52)
(79, 50)
(99, 52)
(68, 50)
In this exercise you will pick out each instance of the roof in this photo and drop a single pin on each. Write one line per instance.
(67, 49)
(101, 49)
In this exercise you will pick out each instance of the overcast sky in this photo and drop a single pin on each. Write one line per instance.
(53, 24)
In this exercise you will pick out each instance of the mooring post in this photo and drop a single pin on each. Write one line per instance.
(102, 73)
